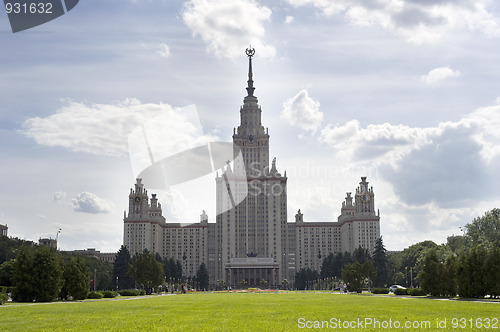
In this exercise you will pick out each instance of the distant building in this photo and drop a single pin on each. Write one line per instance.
(91, 252)
(51, 243)
(252, 240)
(3, 230)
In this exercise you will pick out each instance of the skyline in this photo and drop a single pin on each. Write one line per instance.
(403, 92)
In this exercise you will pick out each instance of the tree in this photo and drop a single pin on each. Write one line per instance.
(361, 255)
(37, 274)
(431, 274)
(103, 272)
(178, 270)
(381, 264)
(202, 276)
(456, 244)
(332, 264)
(304, 276)
(472, 273)
(9, 246)
(120, 268)
(493, 264)
(146, 271)
(411, 259)
(357, 275)
(76, 279)
(485, 230)
(285, 283)
(327, 266)
(449, 276)
(6, 273)
(172, 269)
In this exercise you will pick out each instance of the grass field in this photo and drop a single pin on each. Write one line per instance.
(250, 312)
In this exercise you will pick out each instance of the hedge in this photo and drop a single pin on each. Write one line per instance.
(380, 290)
(109, 294)
(130, 292)
(417, 292)
(3, 298)
(94, 295)
(401, 291)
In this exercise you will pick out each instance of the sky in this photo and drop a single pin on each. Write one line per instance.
(404, 92)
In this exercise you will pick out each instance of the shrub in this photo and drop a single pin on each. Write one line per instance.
(130, 292)
(401, 291)
(380, 290)
(3, 298)
(95, 295)
(109, 294)
(142, 292)
(417, 292)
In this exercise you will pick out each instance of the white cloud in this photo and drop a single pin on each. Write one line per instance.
(387, 144)
(302, 111)
(487, 135)
(417, 21)
(91, 203)
(439, 74)
(167, 135)
(228, 27)
(164, 50)
(452, 163)
(424, 222)
(383, 143)
(102, 129)
(59, 196)
(288, 19)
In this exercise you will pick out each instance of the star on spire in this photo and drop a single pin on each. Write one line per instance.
(250, 52)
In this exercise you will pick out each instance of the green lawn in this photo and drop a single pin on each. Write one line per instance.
(246, 312)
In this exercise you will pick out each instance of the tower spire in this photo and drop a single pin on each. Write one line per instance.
(250, 53)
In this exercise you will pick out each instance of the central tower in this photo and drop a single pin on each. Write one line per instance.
(250, 136)
(252, 246)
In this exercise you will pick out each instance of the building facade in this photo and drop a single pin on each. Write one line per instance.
(3, 230)
(251, 242)
(93, 253)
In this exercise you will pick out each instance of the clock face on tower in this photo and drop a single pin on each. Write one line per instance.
(365, 198)
(250, 138)
(137, 199)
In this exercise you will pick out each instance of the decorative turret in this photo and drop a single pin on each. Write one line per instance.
(299, 217)
(347, 205)
(141, 208)
(364, 200)
(204, 218)
(138, 201)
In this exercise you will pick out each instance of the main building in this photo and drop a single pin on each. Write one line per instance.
(252, 239)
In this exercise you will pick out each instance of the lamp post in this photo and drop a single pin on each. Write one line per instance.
(57, 236)
(465, 239)
(411, 276)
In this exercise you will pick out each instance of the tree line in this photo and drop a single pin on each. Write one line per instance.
(35, 273)
(356, 269)
(467, 265)
(149, 270)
